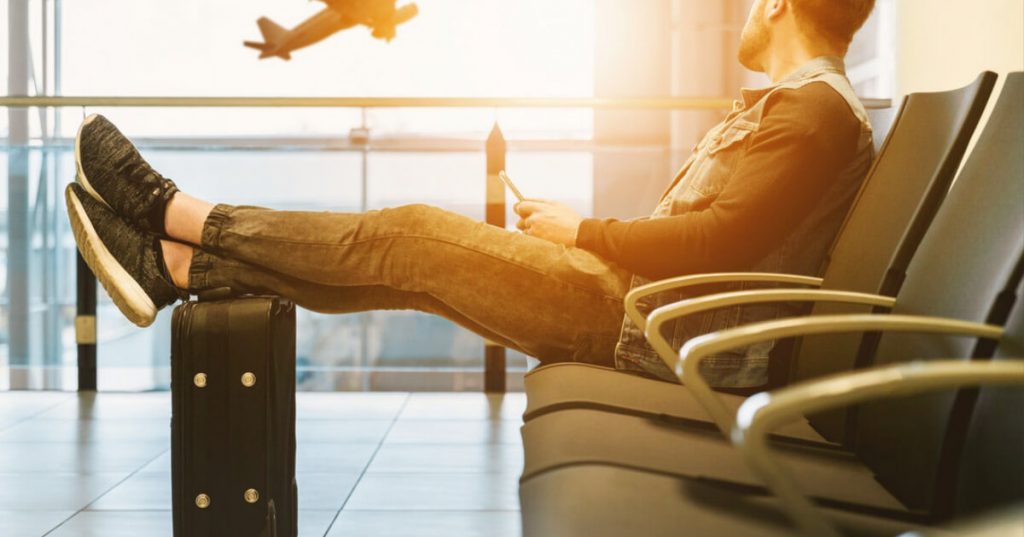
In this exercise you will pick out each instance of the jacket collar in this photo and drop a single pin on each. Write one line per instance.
(814, 68)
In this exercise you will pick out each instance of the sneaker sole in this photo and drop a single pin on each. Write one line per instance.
(80, 173)
(126, 293)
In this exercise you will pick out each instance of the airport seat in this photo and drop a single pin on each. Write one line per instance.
(586, 436)
(968, 267)
(595, 499)
(916, 417)
(999, 522)
(908, 181)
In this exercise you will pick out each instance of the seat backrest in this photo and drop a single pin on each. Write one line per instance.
(967, 259)
(991, 470)
(905, 187)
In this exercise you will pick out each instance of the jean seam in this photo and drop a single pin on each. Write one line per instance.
(214, 226)
(199, 270)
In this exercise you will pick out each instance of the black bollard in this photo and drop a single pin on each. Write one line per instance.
(494, 354)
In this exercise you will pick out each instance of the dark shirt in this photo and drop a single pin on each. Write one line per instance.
(806, 138)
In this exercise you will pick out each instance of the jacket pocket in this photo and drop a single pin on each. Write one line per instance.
(719, 158)
(735, 134)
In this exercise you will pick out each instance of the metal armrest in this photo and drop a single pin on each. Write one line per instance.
(764, 412)
(681, 282)
(701, 347)
(666, 313)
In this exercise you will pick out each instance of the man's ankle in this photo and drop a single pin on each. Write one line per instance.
(178, 260)
(184, 217)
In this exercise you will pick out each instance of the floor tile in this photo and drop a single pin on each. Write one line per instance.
(409, 431)
(315, 523)
(83, 431)
(17, 405)
(436, 492)
(75, 458)
(475, 458)
(161, 465)
(465, 406)
(435, 464)
(349, 406)
(333, 458)
(117, 524)
(427, 524)
(325, 491)
(158, 524)
(152, 492)
(140, 492)
(30, 523)
(43, 491)
(93, 406)
(339, 431)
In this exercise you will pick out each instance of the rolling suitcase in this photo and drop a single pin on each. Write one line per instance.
(233, 418)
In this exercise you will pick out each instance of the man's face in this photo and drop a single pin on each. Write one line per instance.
(755, 38)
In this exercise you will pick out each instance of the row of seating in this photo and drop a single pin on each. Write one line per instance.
(903, 383)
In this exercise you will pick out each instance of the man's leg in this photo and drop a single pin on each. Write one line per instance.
(549, 301)
(210, 271)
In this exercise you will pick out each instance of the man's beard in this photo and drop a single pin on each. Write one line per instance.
(754, 40)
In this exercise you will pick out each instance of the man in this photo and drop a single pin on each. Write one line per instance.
(765, 191)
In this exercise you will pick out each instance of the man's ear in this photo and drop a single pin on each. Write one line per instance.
(775, 9)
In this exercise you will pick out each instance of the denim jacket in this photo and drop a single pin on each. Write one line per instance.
(704, 175)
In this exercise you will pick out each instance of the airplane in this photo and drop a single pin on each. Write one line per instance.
(380, 15)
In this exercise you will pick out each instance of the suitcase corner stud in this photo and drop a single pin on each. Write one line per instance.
(251, 496)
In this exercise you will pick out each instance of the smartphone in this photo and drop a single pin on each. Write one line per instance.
(508, 182)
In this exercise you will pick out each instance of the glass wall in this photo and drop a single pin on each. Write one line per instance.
(374, 350)
(287, 159)
(479, 48)
(337, 159)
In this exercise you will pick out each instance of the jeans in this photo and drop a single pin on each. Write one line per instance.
(549, 301)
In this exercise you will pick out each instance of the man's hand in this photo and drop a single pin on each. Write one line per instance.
(548, 220)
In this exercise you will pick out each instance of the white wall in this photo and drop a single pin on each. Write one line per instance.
(943, 44)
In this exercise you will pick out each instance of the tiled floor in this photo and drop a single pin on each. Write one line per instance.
(380, 464)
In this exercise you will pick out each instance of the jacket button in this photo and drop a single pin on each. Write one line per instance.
(199, 380)
(248, 379)
(202, 501)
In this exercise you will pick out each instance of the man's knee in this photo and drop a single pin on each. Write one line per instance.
(420, 217)
(417, 213)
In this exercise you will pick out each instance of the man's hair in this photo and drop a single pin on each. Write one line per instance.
(835, 20)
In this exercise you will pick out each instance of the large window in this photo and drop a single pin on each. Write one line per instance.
(289, 158)
(606, 163)
(477, 48)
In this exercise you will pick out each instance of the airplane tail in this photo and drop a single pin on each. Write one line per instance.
(271, 31)
(272, 35)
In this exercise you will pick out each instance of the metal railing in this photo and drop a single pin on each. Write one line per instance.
(596, 103)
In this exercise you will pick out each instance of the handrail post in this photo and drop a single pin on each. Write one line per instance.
(85, 326)
(19, 233)
(494, 354)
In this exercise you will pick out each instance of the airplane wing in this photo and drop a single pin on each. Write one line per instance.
(381, 16)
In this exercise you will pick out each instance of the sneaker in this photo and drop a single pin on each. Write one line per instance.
(112, 171)
(128, 262)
